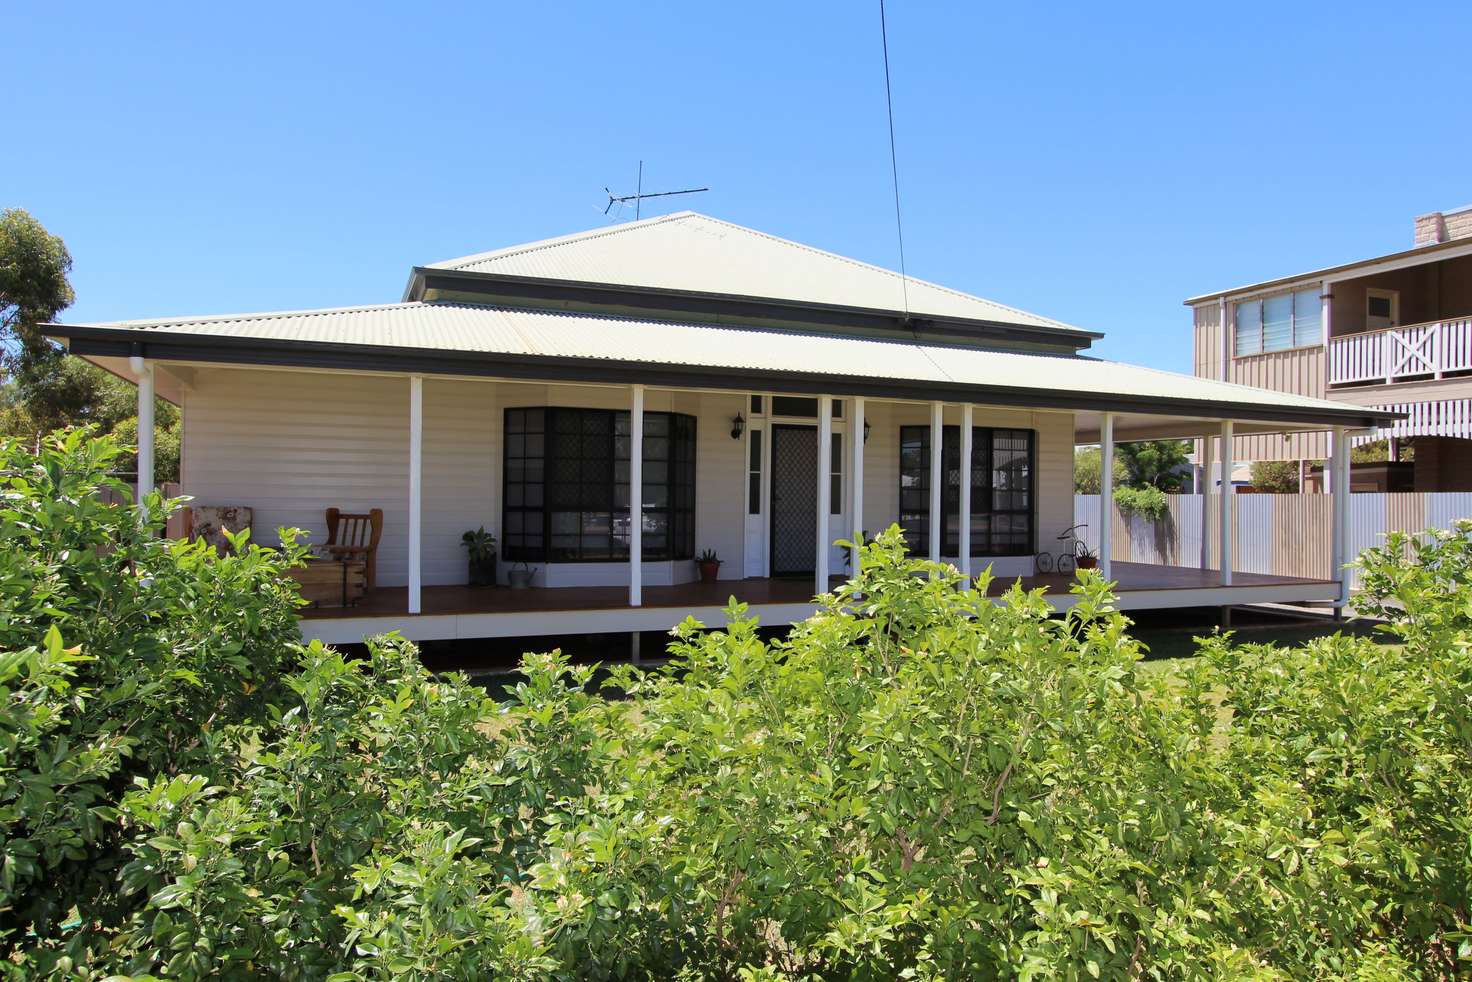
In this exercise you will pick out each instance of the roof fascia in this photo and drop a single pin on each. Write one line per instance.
(534, 291)
(1419, 256)
(164, 346)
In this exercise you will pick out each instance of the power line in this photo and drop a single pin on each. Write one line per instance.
(894, 167)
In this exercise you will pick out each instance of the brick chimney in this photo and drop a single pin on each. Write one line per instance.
(1440, 226)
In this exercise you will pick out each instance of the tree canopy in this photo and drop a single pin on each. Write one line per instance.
(33, 279)
(1155, 463)
(42, 389)
(1088, 463)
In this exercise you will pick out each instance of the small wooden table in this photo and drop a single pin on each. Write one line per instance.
(332, 582)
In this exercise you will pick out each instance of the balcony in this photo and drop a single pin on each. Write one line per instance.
(1415, 352)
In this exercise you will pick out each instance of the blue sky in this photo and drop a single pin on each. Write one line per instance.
(1092, 162)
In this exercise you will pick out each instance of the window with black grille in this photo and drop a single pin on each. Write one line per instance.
(566, 496)
(1002, 493)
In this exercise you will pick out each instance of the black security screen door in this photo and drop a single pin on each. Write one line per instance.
(794, 499)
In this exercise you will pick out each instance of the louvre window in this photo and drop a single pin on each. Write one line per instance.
(1276, 323)
(1001, 476)
(566, 487)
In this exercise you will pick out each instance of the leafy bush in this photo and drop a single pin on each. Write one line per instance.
(1147, 502)
(1088, 464)
(916, 782)
(119, 652)
(1275, 476)
(1159, 464)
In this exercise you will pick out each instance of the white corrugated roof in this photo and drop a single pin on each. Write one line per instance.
(690, 251)
(451, 327)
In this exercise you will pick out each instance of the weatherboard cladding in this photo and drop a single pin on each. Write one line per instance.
(689, 251)
(451, 329)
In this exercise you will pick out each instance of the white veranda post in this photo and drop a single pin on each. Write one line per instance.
(1207, 463)
(937, 443)
(1339, 463)
(856, 479)
(825, 492)
(416, 491)
(964, 530)
(1106, 495)
(1229, 514)
(144, 370)
(636, 497)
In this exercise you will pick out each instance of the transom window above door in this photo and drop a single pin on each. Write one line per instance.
(802, 407)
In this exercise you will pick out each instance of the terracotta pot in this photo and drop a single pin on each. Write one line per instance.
(709, 572)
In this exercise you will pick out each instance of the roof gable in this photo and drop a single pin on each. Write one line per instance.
(692, 252)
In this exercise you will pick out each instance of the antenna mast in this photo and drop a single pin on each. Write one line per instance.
(638, 196)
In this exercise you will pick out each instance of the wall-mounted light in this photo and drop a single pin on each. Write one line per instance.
(866, 431)
(738, 426)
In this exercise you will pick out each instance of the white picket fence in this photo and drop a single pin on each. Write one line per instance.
(1281, 534)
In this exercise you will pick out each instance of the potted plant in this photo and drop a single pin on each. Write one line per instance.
(480, 545)
(709, 564)
(1084, 557)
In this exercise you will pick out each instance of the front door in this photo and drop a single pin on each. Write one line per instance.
(794, 499)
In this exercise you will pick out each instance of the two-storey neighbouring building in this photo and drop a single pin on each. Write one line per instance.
(1392, 332)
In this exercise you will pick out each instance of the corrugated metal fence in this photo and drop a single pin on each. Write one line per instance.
(1283, 534)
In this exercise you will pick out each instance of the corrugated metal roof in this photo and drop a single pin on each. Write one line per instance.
(690, 251)
(465, 328)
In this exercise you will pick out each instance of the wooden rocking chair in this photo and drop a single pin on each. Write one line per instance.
(355, 537)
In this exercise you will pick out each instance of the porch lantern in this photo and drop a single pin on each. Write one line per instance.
(738, 426)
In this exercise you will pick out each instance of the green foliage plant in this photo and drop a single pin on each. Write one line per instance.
(122, 655)
(1155, 463)
(916, 782)
(1147, 502)
(1275, 476)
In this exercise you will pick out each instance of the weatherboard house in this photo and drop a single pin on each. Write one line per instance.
(787, 398)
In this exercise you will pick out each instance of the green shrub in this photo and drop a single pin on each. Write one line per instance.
(916, 783)
(119, 653)
(1275, 476)
(1147, 502)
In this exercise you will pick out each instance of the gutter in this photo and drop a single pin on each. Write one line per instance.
(387, 359)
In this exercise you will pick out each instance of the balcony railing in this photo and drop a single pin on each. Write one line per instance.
(1418, 351)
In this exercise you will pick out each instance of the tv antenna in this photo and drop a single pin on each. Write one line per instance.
(638, 196)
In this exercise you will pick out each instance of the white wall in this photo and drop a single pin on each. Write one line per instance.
(291, 444)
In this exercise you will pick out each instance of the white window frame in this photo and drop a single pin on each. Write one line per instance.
(1294, 342)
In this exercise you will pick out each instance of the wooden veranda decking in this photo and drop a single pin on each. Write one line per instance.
(481, 612)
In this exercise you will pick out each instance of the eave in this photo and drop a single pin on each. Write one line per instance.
(429, 283)
(99, 342)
